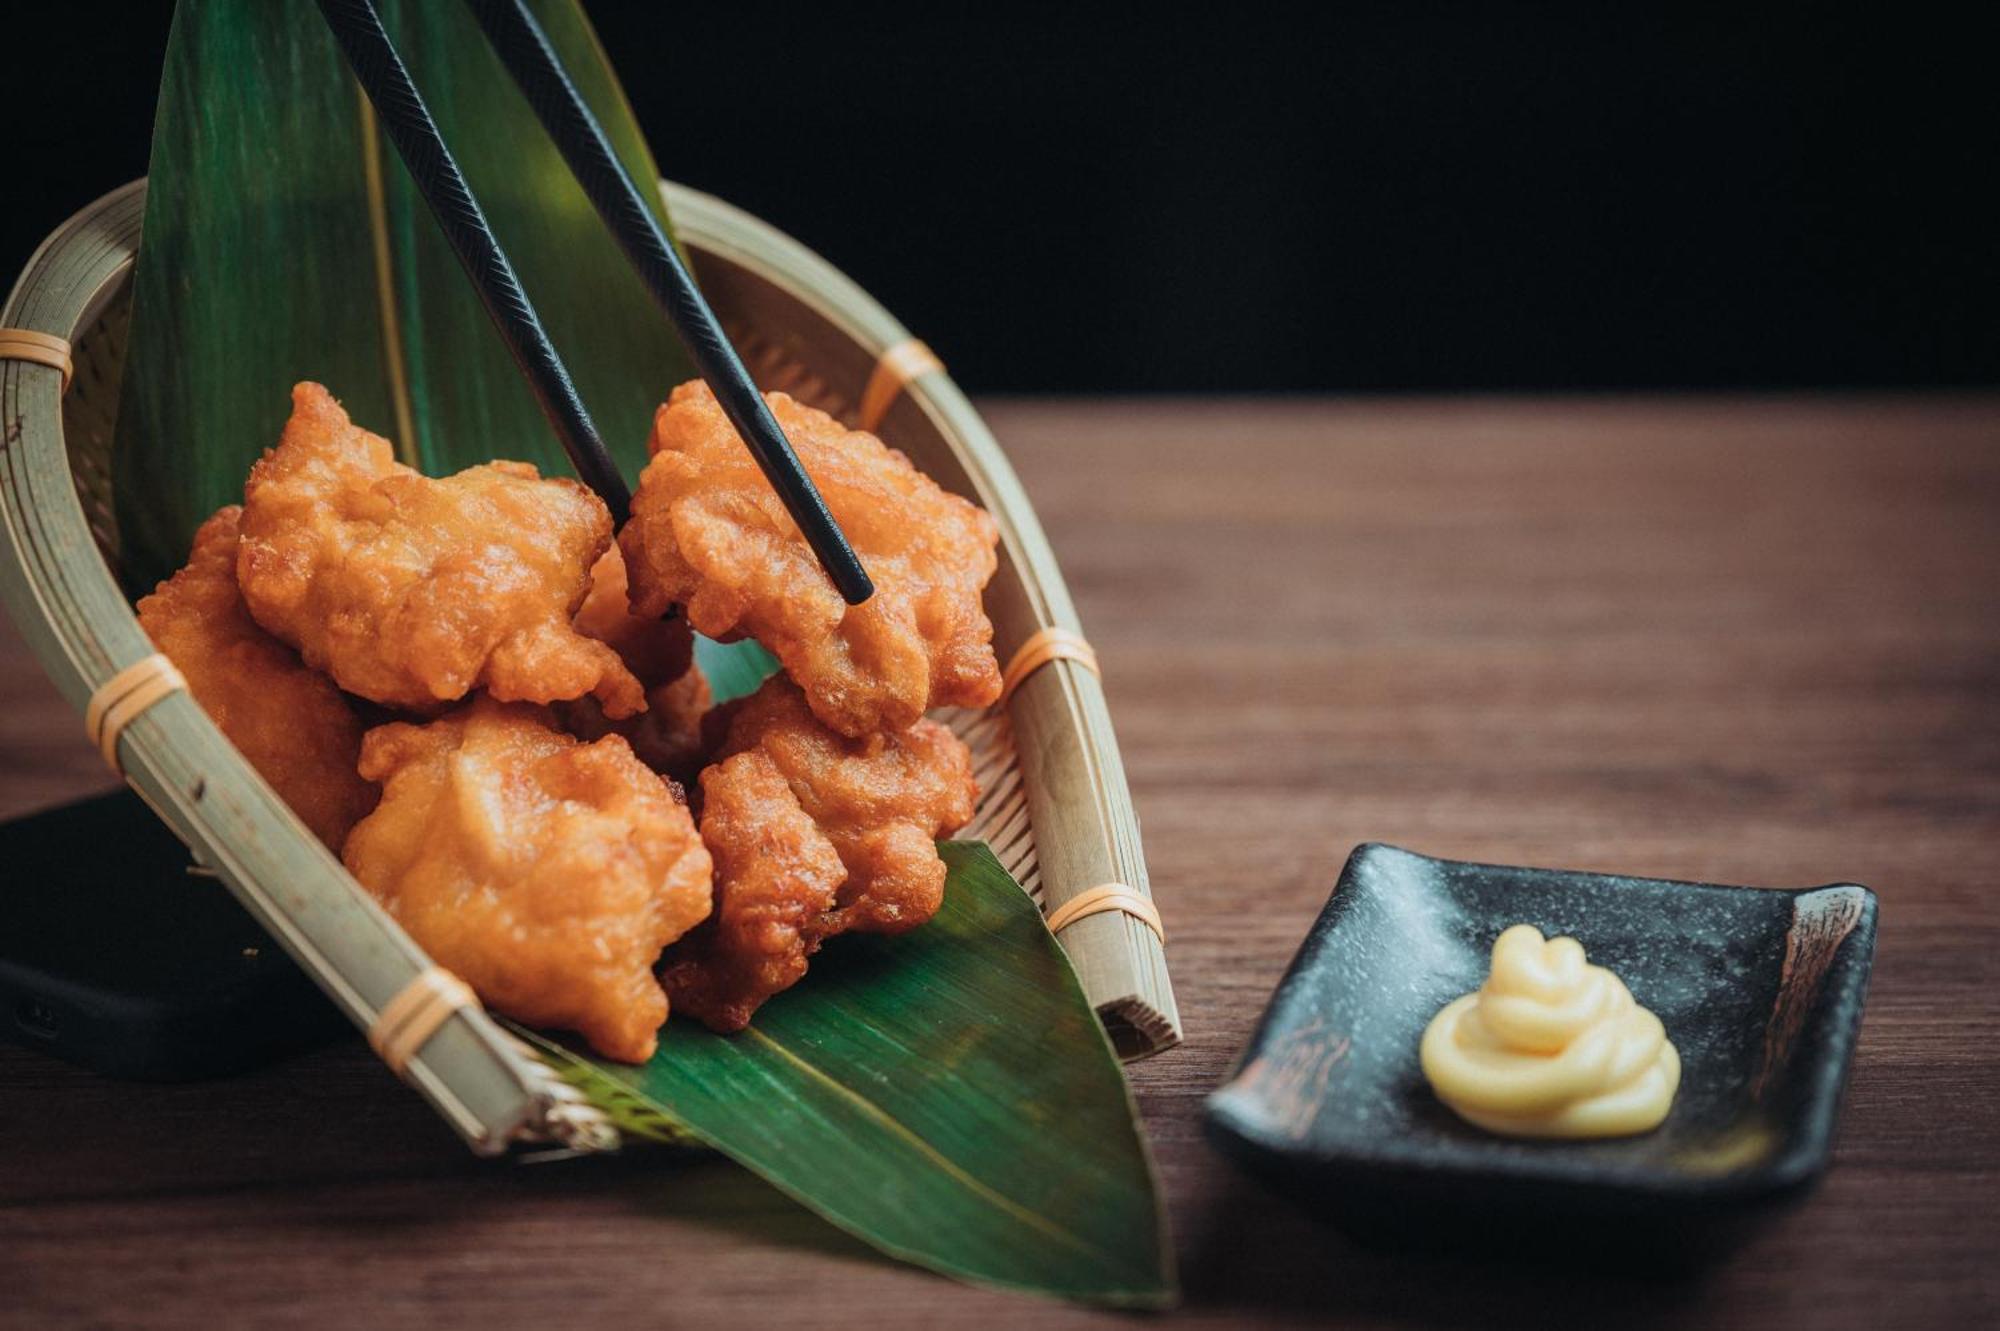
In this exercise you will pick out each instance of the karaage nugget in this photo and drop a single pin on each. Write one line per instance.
(776, 878)
(709, 533)
(412, 591)
(813, 834)
(882, 801)
(548, 873)
(667, 736)
(290, 721)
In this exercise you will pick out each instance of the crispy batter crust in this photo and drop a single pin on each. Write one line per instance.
(412, 591)
(813, 834)
(882, 801)
(546, 872)
(292, 724)
(776, 874)
(709, 533)
(667, 736)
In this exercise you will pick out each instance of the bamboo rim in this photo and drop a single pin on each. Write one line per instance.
(407, 1022)
(124, 698)
(1108, 896)
(26, 344)
(895, 369)
(1045, 648)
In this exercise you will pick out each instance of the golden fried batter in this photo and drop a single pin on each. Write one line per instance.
(413, 591)
(292, 724)
(547, 872)
(654, 649)
(708, 532)
(882, 801)
(813, 834)
(776, 877)
(660, 652)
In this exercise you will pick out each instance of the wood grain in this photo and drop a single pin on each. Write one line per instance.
(1735, 640)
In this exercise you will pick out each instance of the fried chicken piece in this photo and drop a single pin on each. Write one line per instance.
(813, 834)
(294, 726)
(709, 533)
(412, 591)
(667, 736)
(653, 648)
(882, 801)
(548, 873)
(776, 876)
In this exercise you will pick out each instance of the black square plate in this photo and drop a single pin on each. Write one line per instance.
(1761, 990)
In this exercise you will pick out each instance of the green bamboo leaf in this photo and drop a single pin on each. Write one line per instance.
(285, 241)
(733, 669)
(947, 1095)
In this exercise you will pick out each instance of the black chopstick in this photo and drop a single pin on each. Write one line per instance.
(400, 108)
(526, 52)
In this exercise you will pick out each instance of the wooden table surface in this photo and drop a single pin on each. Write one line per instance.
(1742, 640)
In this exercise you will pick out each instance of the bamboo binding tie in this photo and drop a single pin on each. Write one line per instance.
(1109, 897)
(39, 348)
(902, 364)
(123, 698)
(1051, 644)
(408, 1021)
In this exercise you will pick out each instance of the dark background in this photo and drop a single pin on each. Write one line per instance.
(1391, 197)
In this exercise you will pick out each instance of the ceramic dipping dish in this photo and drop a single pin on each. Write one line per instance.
(1761, 990)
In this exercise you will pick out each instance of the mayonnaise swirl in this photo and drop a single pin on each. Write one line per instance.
(1551, 1046)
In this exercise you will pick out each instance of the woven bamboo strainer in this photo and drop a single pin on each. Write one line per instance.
(1053, 806)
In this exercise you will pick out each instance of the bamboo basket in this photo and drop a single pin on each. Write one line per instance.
(1053, 804)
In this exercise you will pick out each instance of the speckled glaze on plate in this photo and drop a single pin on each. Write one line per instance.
(1761, 990)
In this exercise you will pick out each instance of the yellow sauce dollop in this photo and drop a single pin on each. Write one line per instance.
(1551, 1046)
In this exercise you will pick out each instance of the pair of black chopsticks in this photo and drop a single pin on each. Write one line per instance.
(525, 50)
